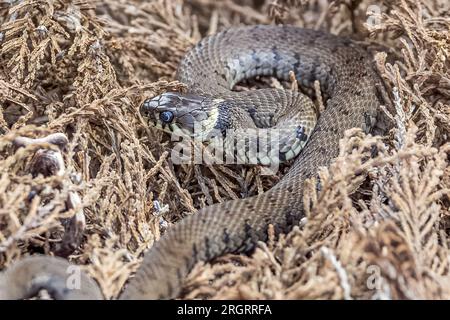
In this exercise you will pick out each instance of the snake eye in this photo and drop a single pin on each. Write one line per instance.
(166, 116)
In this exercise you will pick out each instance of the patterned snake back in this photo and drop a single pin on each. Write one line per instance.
(211, 68)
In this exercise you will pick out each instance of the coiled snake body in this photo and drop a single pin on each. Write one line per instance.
(209, 69)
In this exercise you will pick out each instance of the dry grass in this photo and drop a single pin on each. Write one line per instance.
(379, 227)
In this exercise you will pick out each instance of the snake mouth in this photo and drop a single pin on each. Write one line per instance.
(170, 128)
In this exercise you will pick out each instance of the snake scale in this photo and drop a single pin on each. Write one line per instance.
(209, 70)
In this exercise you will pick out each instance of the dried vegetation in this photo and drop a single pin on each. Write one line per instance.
(378, 228)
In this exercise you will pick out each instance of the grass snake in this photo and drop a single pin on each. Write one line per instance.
(209, 70)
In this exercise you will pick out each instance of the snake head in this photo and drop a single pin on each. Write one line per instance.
(173, 111)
